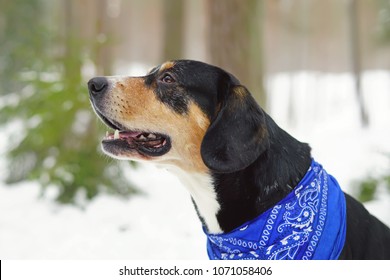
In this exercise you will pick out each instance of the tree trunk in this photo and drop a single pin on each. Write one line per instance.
(173, 29)
(71, 59)
(104, 53)
(354, 45)
(235, 41)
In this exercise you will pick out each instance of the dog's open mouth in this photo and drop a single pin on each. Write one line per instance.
(145, 143)
(149, 144)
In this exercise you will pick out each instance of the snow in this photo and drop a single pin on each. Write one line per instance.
(161, 223)
(158, 224)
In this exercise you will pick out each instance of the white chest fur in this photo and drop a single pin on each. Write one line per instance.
(202, 191)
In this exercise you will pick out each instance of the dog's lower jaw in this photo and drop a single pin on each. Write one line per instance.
(201, 189)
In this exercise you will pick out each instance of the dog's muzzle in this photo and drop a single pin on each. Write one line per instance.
(124, 140)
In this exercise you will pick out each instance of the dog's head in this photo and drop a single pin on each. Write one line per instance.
(187, 113)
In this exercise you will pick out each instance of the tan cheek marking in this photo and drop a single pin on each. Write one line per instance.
(186, 132)
(195, 127)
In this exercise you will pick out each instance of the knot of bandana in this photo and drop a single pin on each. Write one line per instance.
(309, 223)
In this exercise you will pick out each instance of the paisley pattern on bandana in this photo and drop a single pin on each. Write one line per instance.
(309, 223)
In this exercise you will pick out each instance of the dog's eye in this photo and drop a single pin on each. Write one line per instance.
(168, 79)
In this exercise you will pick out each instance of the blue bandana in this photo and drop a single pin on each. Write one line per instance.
(309, 223)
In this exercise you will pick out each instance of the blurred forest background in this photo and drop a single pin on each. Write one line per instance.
(50, 48)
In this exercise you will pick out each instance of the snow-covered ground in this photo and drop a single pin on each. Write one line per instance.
(161, 223)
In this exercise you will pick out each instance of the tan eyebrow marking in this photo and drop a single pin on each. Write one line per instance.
(167, 65)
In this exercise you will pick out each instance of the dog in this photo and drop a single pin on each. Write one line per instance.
(257, 190)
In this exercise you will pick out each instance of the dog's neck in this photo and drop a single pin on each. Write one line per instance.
(224, 201)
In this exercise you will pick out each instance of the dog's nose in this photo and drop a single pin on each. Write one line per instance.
(97, 85)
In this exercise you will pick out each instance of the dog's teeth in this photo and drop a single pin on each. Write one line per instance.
(142, 137)
(152, 136)
(116, 134)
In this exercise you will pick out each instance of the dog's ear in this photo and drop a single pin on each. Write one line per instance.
(237, 135)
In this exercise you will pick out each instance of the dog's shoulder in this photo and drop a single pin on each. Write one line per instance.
(367, 237)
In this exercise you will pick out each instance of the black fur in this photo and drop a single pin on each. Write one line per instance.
(367, 237)
(254, 163)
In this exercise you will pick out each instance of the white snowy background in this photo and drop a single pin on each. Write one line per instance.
(161, 223)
